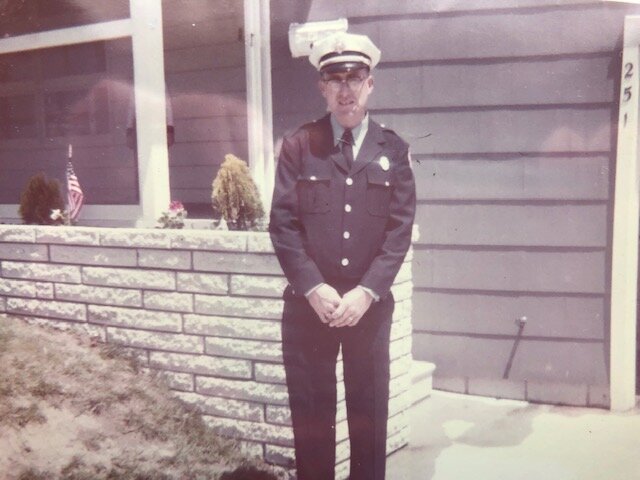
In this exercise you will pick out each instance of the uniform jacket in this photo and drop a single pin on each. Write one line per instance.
(340, 226)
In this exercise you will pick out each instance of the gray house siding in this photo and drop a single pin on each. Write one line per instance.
(510, 111)
(205, 77)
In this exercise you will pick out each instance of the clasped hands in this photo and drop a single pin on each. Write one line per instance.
(336, 311)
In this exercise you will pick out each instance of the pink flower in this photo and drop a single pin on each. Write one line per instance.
(176, 205)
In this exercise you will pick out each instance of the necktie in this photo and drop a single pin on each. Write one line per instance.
(347, 146)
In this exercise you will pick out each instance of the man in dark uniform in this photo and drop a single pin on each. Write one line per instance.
(341, 221)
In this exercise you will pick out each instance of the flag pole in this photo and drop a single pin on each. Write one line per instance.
(69, 155)
(75, 196)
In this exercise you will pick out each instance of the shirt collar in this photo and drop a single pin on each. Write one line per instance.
(358, 132)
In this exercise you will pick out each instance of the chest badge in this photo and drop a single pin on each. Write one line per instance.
(384, 163)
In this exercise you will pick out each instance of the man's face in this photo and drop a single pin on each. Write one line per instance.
(347, 94)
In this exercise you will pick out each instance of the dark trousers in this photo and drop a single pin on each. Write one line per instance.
(310, 350)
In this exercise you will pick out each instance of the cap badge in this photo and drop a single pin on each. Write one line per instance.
(384, 163)
(339, 46)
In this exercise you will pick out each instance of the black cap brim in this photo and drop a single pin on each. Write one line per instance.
(340, 67)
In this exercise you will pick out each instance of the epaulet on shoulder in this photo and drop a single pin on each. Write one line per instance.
(290, 132)
(393, 136)
(305, 127)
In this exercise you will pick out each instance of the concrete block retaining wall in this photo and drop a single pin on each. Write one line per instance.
(202, 307)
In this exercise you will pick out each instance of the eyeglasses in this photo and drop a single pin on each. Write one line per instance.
(354, 83)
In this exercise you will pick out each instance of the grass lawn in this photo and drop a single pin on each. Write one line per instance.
(74, 409)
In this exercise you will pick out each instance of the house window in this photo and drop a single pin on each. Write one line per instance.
(80, 59)
(53, 93)
(74, 94)
(17, 117)
(76, 112)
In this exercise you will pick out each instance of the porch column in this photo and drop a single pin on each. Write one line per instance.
(259, 106)
(150, 109)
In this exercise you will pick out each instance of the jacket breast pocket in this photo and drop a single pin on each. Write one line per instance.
(314, 193)
(379, 190)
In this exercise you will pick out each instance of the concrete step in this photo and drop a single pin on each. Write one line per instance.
(421, 380)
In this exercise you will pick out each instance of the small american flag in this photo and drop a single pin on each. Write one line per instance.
(75, 197)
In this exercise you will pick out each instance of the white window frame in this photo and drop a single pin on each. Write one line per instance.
(624, 263)
(71, 36)
(145, 29)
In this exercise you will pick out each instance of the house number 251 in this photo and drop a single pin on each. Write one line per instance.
(627, 91)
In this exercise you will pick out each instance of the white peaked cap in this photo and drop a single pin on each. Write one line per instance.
(344, 51)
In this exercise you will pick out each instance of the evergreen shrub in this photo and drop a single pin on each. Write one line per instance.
(39, 199)
(235, 195)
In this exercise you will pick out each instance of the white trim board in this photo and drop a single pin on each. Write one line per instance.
(624, 262)
(67, 36)
(636, 2)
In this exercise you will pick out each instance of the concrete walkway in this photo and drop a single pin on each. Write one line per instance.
(459, 437)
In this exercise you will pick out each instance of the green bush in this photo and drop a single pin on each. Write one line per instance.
(235, 195)
(39, 198)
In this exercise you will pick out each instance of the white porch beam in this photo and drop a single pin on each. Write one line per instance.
(267, 103)
(150, 108)
(67, 36)
(259, 106)
(624, 274)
